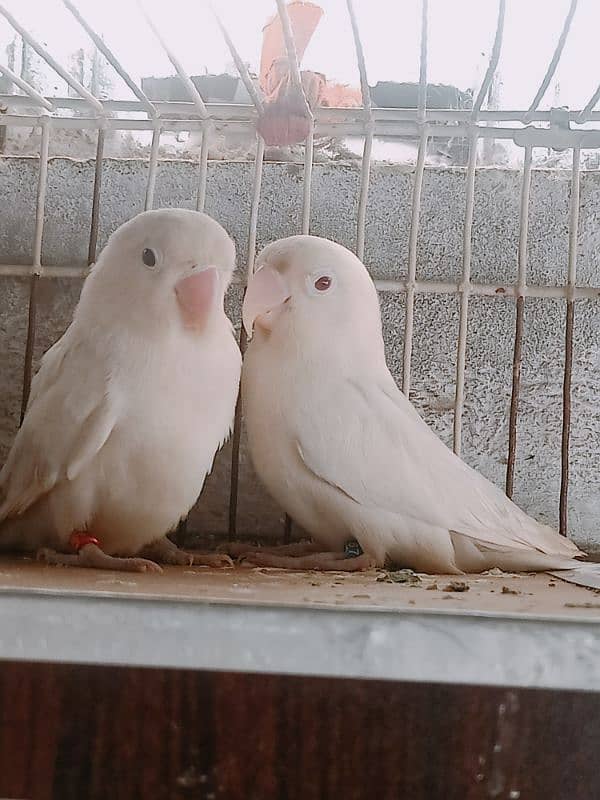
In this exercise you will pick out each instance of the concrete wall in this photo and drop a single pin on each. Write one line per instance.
(335, 193)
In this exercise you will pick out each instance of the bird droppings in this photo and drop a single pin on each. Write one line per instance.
(508, 590)
(552, 585)
(499, 573)
(400, 576)
(457, 586)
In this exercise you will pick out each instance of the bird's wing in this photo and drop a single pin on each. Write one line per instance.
(70, 415)
(375, 448)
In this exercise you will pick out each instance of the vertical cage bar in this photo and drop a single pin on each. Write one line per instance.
(294, 67)
(30, 343)
(152, 166)
(37, 262)
(41, 195)
(365, 172)
(306, 202)
(198, 102)
(465, 288)
(201, 195)
(416, 207)
(569, 328)
(520, 314)
(412, 262)
(307, 182)
(256, 98)
(93, 242)
(365, 176)
(465, 285)
(237, 424)
(3, 129)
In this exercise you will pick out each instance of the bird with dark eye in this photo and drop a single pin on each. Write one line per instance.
(148, 257)
(323, 283)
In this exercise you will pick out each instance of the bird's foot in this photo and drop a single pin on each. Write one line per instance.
(237, 549)
(329, 562)
(166, 552)
(211, 559)
(92, 557)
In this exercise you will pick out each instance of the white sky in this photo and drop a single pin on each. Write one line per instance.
(460, 38)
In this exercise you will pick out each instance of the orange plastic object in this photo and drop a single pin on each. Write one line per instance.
(304, 18)
(338, 95)
(284, 119)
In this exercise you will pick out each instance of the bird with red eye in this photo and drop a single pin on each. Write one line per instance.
(323, 283)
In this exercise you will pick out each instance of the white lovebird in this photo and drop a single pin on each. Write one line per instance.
(130, 406)
(342, 450)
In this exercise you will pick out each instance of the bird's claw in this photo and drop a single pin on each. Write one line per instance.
(91, 556)
(142, 565)
(217, 560)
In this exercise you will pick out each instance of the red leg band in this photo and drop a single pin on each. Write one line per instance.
(79, 539)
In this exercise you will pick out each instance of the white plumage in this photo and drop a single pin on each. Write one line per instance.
(130, 406)
(340, 447)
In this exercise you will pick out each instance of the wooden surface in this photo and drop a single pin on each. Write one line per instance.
(72, 732)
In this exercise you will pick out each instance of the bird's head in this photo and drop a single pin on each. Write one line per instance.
(165, 267)
(313, 290)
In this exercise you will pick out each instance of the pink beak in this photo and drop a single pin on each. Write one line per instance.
(265, 296)
(196, 295)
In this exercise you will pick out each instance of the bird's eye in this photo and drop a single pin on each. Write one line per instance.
(148, 257)
(323, 283)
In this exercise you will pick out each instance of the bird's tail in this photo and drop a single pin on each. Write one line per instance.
(475, 555)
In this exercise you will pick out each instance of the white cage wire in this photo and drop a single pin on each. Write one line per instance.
(530, 128)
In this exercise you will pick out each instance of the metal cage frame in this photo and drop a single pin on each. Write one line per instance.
(554, 129)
